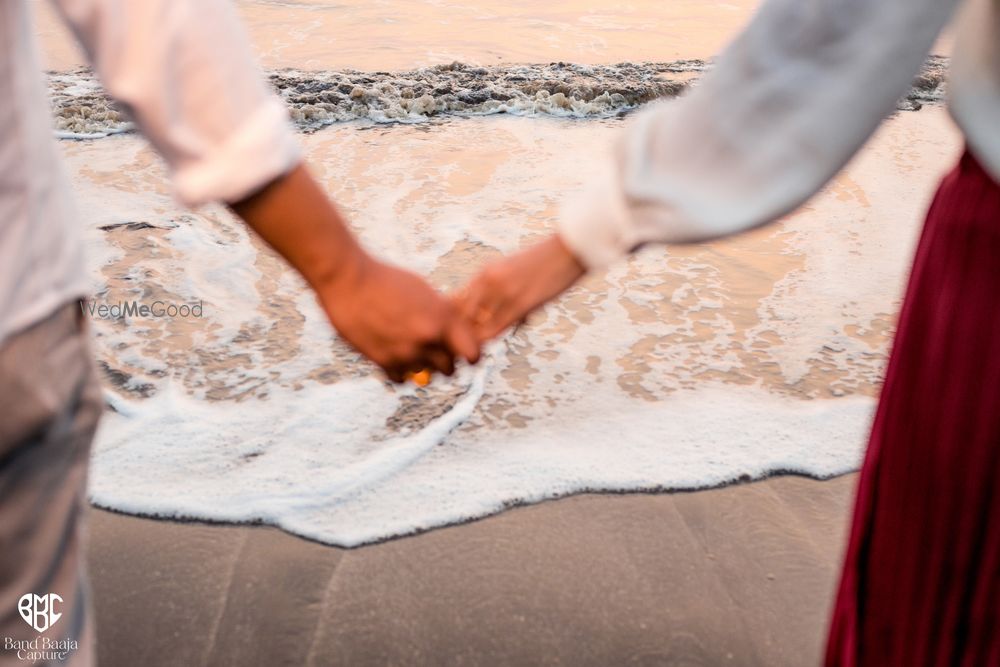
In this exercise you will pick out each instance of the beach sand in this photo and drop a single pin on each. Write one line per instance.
(742, 575)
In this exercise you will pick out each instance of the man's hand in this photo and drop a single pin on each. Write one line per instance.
(397, 320)
(391, 316)
(506, 291)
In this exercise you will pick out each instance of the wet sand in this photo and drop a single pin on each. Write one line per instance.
(742, 575)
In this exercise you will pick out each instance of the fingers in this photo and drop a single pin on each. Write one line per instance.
(461, 340)
(487, 307)
(465, 302)
(440, 359)
(505, 316)
(415, 361)
(488, 300)
(396, 319)
(508, 290)
(420, 371)
(395, 373)
(473, 307)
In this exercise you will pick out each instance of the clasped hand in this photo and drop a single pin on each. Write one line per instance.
(402, 324)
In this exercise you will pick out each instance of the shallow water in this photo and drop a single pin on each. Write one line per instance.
(392, 35)
(565, 90)
(680, 368)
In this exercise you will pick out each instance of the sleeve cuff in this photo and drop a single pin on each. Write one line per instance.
(261, 149)
(595, 223)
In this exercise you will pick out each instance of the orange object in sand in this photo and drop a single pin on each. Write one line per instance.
(421, 378)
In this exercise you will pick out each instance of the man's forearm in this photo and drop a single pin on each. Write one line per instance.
(296, 218)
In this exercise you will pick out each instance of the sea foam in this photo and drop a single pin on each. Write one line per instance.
(682, 368)
(306, 461)
(317, 99)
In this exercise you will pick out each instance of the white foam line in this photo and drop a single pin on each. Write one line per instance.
(79, 136)
(391, 459)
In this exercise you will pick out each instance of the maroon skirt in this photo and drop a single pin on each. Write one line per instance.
(921, 581)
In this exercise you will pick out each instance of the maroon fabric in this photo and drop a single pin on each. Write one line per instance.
(921, 581)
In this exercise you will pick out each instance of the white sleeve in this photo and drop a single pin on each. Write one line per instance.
(185, 72)
(788, 103)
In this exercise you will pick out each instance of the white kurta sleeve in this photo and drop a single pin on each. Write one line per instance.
(785, 107)
(185, 72)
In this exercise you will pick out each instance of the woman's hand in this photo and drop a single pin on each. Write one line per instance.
(506, 291)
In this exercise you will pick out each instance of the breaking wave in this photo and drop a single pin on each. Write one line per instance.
(318, 99)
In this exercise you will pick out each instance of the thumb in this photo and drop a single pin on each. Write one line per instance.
(461, 341)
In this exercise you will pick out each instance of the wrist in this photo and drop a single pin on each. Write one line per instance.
(556, 268)
(559, 268)
(342, 274)
(569, 265)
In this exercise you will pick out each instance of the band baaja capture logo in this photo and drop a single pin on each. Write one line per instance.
(39, 611)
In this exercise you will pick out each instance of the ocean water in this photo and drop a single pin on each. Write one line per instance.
(448, 143)
(317, 99)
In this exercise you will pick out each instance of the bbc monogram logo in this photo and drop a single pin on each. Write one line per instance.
(39, 611)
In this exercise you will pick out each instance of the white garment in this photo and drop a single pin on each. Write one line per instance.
(185, 71)
(787, 104)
